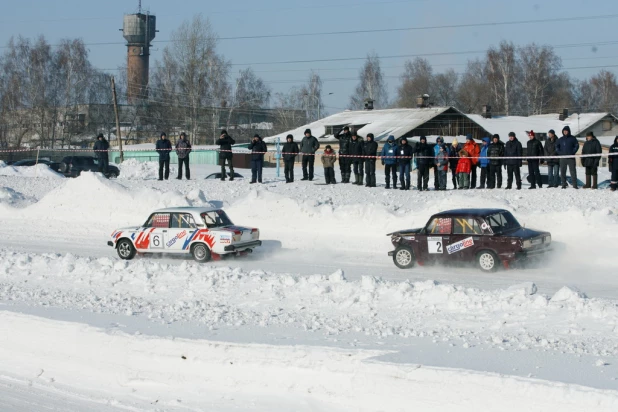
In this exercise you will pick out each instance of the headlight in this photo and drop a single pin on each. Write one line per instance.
(395, 239)
(527, 244)
(547, 239)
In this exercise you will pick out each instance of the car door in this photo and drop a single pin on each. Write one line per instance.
(437, 234)
(152, 236)
(182, 226)
(466, 238)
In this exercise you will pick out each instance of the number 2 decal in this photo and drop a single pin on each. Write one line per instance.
(434, 245)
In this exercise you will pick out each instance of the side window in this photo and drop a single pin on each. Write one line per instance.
(440, 226)
(160, 220)
(182, 221)
(467, 226)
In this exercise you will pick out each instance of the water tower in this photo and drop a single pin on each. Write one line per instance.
(138, 30)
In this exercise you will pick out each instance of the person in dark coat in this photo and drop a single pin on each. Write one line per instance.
(356, 149)
(164, 147)
(425, 159)
(404, 159)
(258, 148)
(345, 162)
(101, 147)
(370, 148)
(567, 147)
(183, 148)
(553, 163)
(513, 149)
(308, 146)
(613, 164)
(389, 161)
(453, 155)
(290, 151)
(592, 146)
(495, 152)
(534, 148)
(225, 153)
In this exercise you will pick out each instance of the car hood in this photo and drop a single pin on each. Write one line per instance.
(524, 233)
(126, 229)
(405, 231)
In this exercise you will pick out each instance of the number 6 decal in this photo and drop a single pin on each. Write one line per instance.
(434, 245)
(156, 241)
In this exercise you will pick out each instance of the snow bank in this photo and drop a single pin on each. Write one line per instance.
(10, 196)
(40, 170)
(196, 373)
(133, 169)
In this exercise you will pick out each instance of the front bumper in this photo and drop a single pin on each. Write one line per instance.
(110, 243)
(243, 246)
(527, 254)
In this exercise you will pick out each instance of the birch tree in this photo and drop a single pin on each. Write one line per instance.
(371, 85)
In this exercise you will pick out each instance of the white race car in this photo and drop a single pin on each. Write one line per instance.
(202, 232)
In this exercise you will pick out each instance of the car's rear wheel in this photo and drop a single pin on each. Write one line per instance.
(125, 249)
(112, 175)
(487, 261)
(200, 252)
(403, 257)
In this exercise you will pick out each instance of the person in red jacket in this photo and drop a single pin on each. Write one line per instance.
(474, 151)
(464, 165)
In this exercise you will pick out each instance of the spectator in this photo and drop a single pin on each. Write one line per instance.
(389, 161)
(101, 147)
(453, 156)
(225, 153)
(290, 150)
(164, 147)
(425, 160)
(436, 150)
(553, 163)
(356, 150)
(534, 148)
(370, 149)
(592, 146)
(567, 147)
(473, 150)
(495, 152)
(484, 163)
(345, 161)
(513, 150)
(404, 159)
(258, 148)
(308, 146)
(442, 167)
(328, 161)
(183, 148)
(464, 165)
(613, 164)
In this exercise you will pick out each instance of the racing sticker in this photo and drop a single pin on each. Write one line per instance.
(434, 245)
(461, 245)
(156, 241)
(484, 226)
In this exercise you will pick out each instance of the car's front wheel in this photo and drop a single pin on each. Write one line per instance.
(200, 252)
(403, 257)
(125, 249)
(487, 261)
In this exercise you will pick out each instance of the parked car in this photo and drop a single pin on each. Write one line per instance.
(487, 237)
(200, 232)
(545, 180)
(605, 184)
(218, 176)
(73, 166)
(33, 162)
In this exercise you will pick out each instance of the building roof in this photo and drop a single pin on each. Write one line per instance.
(578, 123)
(382, 123)
(606, 141)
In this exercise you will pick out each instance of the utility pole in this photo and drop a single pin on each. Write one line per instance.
(118, 135)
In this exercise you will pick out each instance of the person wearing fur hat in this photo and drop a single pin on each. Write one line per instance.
(163, 148)
(389, 161)
(453, 156)
(308, 146)
(613, 164)
(534, 148)
(225, 142)
(404, 159)
(329, 158)
(464, 165)
(425, 160)
(591, 147)
(290, 151)
(183, 149)
(258, 148)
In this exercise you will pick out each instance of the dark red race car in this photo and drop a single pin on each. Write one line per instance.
(487, 237)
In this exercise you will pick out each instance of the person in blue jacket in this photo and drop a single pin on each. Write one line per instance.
(567, 146)
(436, 152)
(164, 147)
(389, 161)
(484, 162)
(404, 159)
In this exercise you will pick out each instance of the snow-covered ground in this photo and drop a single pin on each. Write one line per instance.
(318, 319)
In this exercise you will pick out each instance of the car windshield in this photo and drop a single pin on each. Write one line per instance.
(216, 218)
(502, 222)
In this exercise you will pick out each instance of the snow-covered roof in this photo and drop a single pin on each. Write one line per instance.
(604, 140)
(382, 123)
(540, 123)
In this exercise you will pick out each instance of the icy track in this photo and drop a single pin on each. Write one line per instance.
(318, 319)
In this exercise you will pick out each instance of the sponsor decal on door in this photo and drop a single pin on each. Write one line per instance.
(461, 245)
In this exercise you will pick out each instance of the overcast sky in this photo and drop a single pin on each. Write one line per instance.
(100, 21)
